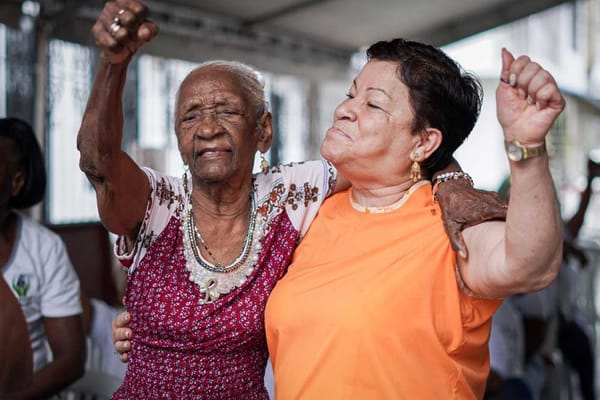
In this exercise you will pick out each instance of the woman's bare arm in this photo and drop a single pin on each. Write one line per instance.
(122, 188)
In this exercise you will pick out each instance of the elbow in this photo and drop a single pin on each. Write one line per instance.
(78, 364)
(78, 371)
(71, 366)
(91, 171)
(546, 272)
(78, 359)
(93, 163)
(555, 263)
(95, 154)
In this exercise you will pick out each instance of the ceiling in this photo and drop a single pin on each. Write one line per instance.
(314, 37)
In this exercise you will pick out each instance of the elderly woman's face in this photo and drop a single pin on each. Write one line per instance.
(372, 127)
(215, 125)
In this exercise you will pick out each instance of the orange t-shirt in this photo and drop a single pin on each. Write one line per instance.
(370, 308)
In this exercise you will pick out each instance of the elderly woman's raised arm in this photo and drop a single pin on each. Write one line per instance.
(523, 254)
(121, 186)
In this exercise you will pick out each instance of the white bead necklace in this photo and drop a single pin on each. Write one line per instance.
(216, 280)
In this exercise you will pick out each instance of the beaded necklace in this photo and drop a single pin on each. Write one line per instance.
(389, 208)
(215, 280)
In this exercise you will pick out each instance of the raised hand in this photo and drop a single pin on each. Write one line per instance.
(528, 99)
(122, 28)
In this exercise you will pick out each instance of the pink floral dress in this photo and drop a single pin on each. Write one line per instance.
(182, 349)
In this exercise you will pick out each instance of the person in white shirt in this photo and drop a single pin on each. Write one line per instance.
(36, 267)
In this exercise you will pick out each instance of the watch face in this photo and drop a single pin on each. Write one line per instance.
(514, 152)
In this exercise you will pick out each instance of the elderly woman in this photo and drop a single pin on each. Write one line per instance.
(202, 252)
(36, 267)
(378, 251)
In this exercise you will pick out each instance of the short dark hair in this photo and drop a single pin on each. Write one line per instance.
(442, 95)
(30, 160)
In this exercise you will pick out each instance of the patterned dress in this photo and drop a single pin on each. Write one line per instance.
(182, 349)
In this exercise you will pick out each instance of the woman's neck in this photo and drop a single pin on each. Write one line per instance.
(379, 196)
(7, 222)
(221, 201)
(8, 235)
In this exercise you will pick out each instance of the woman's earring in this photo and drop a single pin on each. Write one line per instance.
(415, 170)
(264, 164)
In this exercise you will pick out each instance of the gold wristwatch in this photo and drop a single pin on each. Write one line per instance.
(519, 152)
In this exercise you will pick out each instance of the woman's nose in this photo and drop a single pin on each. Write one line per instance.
(345, 110)
(209, 126)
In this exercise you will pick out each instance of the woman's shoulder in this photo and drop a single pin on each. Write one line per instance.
(163, 180)
(290, 176)
(167, 191)
(38, 243)
(31, 231)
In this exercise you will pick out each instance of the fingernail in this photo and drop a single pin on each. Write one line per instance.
(529, 100)
(128, 334)
(462, 254)
(144, 33)
(126, 345)
(512, 79)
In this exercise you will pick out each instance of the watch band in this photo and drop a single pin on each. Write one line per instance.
(519, 152)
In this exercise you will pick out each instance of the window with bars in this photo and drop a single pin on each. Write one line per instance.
(149, 99)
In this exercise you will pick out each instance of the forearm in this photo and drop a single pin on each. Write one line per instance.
(533, 230)
(99, 138)
(52, 378)
(121, 186)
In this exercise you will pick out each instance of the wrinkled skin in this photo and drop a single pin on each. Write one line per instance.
(464, 206)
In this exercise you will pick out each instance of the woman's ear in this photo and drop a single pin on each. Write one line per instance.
(430, 141)
(17, 183)
(265, 138)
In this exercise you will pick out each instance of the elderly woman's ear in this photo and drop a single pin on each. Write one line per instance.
(265, 136)
(428, 142)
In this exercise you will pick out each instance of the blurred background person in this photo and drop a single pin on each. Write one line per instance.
(36, 267)
(574, 336)
(16, 368)
(530, 330)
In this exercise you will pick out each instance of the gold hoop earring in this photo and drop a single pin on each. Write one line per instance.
(264, 164)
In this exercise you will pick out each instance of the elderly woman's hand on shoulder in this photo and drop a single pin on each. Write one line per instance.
(121, 335)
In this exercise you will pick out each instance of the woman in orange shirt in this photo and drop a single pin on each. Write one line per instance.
(376, 304)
